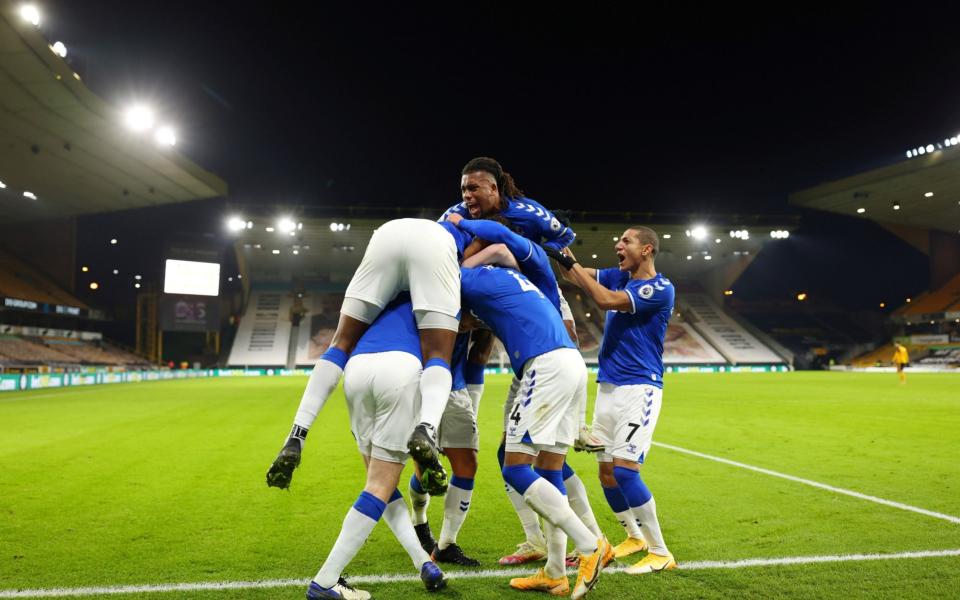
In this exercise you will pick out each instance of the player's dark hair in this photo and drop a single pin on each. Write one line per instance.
(645, 235)
(505, 183)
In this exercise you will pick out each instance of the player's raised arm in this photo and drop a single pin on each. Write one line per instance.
(558, 237)
(605, 298)
(591, 272)
(519, 246)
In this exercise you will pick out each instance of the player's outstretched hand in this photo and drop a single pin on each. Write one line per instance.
(585, 441)
(562, 259)
(455, 218)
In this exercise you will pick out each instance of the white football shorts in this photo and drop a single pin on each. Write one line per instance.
(418, 255)
(458, 426)
(546, 408)
(624, 418)
(383, 399)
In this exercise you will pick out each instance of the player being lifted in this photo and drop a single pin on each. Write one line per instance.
(543, 423)
(381, 384)
(639, 303)
(458, 433)
(423, 257)
(488, 190)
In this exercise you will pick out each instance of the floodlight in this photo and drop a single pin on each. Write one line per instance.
(166, 136)
(139, 118)
(286, 225)
(31, 14)
(59, 49)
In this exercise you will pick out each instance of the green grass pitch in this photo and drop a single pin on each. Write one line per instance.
(163, 482)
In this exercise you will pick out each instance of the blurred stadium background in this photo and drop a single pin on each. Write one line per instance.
(96, 202)
(123, 261)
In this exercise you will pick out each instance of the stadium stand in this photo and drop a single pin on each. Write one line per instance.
(725, 334)
(31, 350)
(20, 280)
(943, 299)
(263, 335)
(878, 356)
(813, 333)
(942, 357)
(15, 350)
(90, 354)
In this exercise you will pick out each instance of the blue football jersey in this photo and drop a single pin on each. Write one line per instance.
(394, 330)
(517, 312)
(461, 237)
(531, 258)
(533, 221)
(458, 364)
(632, 349)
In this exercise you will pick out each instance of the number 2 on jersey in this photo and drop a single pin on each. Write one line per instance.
(525, 284)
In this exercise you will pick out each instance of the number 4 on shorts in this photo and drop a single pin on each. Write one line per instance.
(515, 415)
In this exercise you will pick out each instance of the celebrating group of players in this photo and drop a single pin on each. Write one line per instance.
(415, 331)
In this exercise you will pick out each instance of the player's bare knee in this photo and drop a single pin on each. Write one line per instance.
(463, 462)
(550, 460)
(437, 343)
(607, 479)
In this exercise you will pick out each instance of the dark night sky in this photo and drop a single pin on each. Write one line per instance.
(366, 104)
(607, 108)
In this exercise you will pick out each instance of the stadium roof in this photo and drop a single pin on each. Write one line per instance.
(325, 254)
(67, 147)
(926, 188)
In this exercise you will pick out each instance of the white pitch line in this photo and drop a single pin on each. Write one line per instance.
(485, 574)
(816, 484)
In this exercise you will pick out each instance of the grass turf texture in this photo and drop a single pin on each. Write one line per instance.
(164, 483)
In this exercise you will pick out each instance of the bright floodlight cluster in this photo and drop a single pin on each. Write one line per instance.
(930, 148)
(698, 232)
(779, 234)
(740, 234)
(237, 224)
(30, 13)
(339, 226)
(140, 119)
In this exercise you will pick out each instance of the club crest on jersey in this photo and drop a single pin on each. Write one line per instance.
(646, 291)
(555, 224)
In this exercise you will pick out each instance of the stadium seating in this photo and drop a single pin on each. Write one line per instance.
(20, 280)
(943, 357)
(263, 336)
(31, 350)
(14, 349)
(723, 332)
(944, 298)
(810, 329)
(878, 356)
